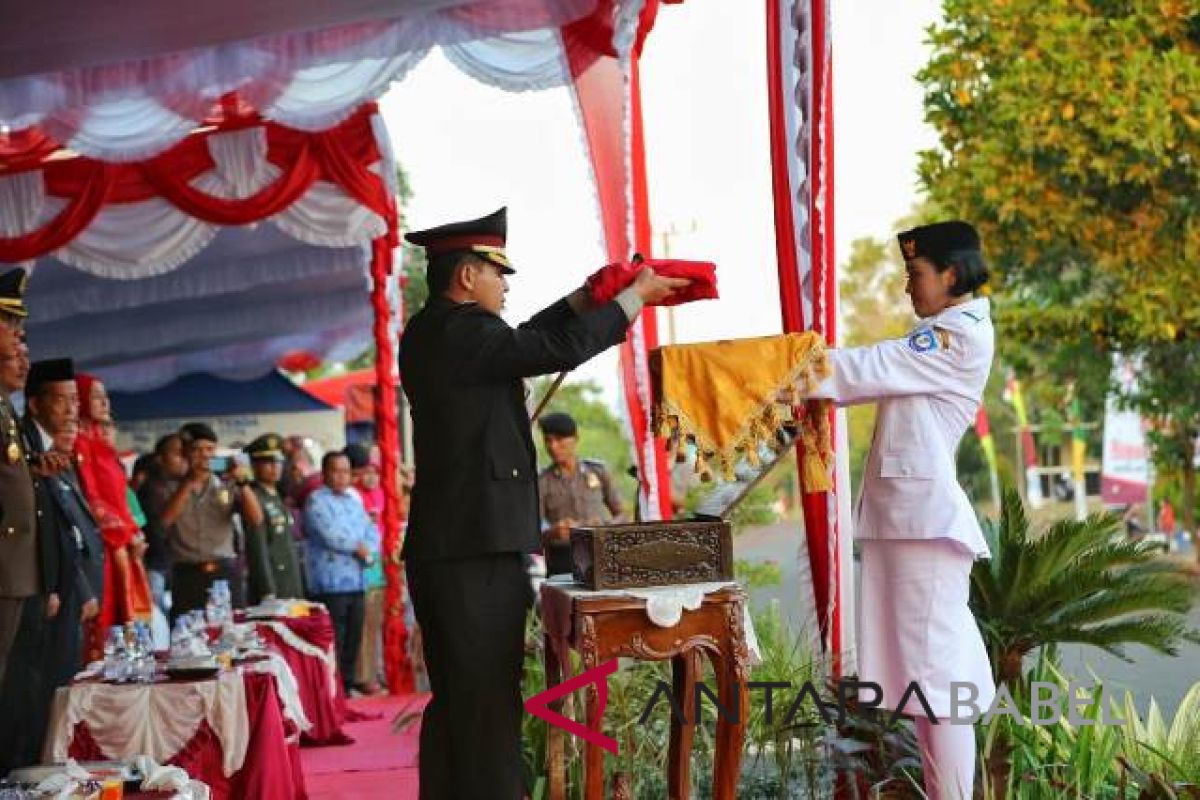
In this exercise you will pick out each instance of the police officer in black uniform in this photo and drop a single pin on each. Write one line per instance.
(474, 507)
(574, 491)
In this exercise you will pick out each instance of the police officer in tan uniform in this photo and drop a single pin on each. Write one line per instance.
(19, 565)
(573, 490)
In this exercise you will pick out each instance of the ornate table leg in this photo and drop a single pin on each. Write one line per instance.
(685, 669)
(593, 756)
(556, 762)
(732, 672)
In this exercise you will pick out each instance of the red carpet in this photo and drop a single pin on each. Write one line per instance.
(382, 763)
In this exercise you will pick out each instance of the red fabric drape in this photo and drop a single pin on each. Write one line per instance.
(339, 155)
(821, 537)
(826, 302)
(660, 460)
(69, 222)
(395, 633)
(618, 164)
(607, 282)
(312, 680)
(267, 202)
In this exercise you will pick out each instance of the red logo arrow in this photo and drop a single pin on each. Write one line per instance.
(539, 705)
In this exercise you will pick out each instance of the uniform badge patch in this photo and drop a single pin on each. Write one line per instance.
(923, 340)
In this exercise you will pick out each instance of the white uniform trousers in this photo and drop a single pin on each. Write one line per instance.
(914, 625)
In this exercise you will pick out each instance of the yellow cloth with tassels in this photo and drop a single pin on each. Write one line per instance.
(732, 396)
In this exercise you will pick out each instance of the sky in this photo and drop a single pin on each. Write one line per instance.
(470, 148)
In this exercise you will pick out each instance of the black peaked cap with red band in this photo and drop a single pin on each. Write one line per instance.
(485, 237)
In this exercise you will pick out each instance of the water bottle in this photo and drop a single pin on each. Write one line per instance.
(146, 646)
(133, 652)
(114, 647)
(224, 600)
(212, 609)
(181, 635)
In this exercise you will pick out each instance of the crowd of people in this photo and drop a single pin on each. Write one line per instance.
(84, 546)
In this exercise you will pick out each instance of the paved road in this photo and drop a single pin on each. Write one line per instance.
(1165, 678)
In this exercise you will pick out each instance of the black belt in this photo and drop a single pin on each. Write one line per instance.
(207, 567)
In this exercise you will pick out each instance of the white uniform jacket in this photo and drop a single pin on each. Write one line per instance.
(928, 387)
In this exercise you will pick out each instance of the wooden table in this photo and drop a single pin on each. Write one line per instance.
(605, 625)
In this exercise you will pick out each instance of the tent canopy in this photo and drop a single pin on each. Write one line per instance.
(125, 81)
(239, 411)
(55, 35)
(352, 391)
(234, 310)
(204, 396)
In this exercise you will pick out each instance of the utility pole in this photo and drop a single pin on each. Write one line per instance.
(668, 235)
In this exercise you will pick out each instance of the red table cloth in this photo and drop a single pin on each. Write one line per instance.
(307, 645)
(271, 770)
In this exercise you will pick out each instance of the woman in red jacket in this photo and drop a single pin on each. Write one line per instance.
(126, 589)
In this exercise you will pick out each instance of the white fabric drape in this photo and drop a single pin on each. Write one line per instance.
(309, 80)
(665, 605)
(157, 720)
(327, 656)
(22, 197)
(517, 62)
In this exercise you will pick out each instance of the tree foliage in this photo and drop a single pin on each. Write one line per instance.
(1070, 134)
(413, 286)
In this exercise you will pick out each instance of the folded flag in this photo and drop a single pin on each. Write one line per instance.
(607, 282)
(732, 397)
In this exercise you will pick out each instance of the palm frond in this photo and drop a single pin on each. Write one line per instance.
(1077, 581)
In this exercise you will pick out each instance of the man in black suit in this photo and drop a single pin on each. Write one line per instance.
(70, 542)
(474, 510)
(52, 412)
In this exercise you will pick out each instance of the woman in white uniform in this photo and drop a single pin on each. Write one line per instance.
(918, 532)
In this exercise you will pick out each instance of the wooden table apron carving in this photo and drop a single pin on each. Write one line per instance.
(605, 627)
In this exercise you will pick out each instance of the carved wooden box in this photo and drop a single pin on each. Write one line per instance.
(652, 554)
